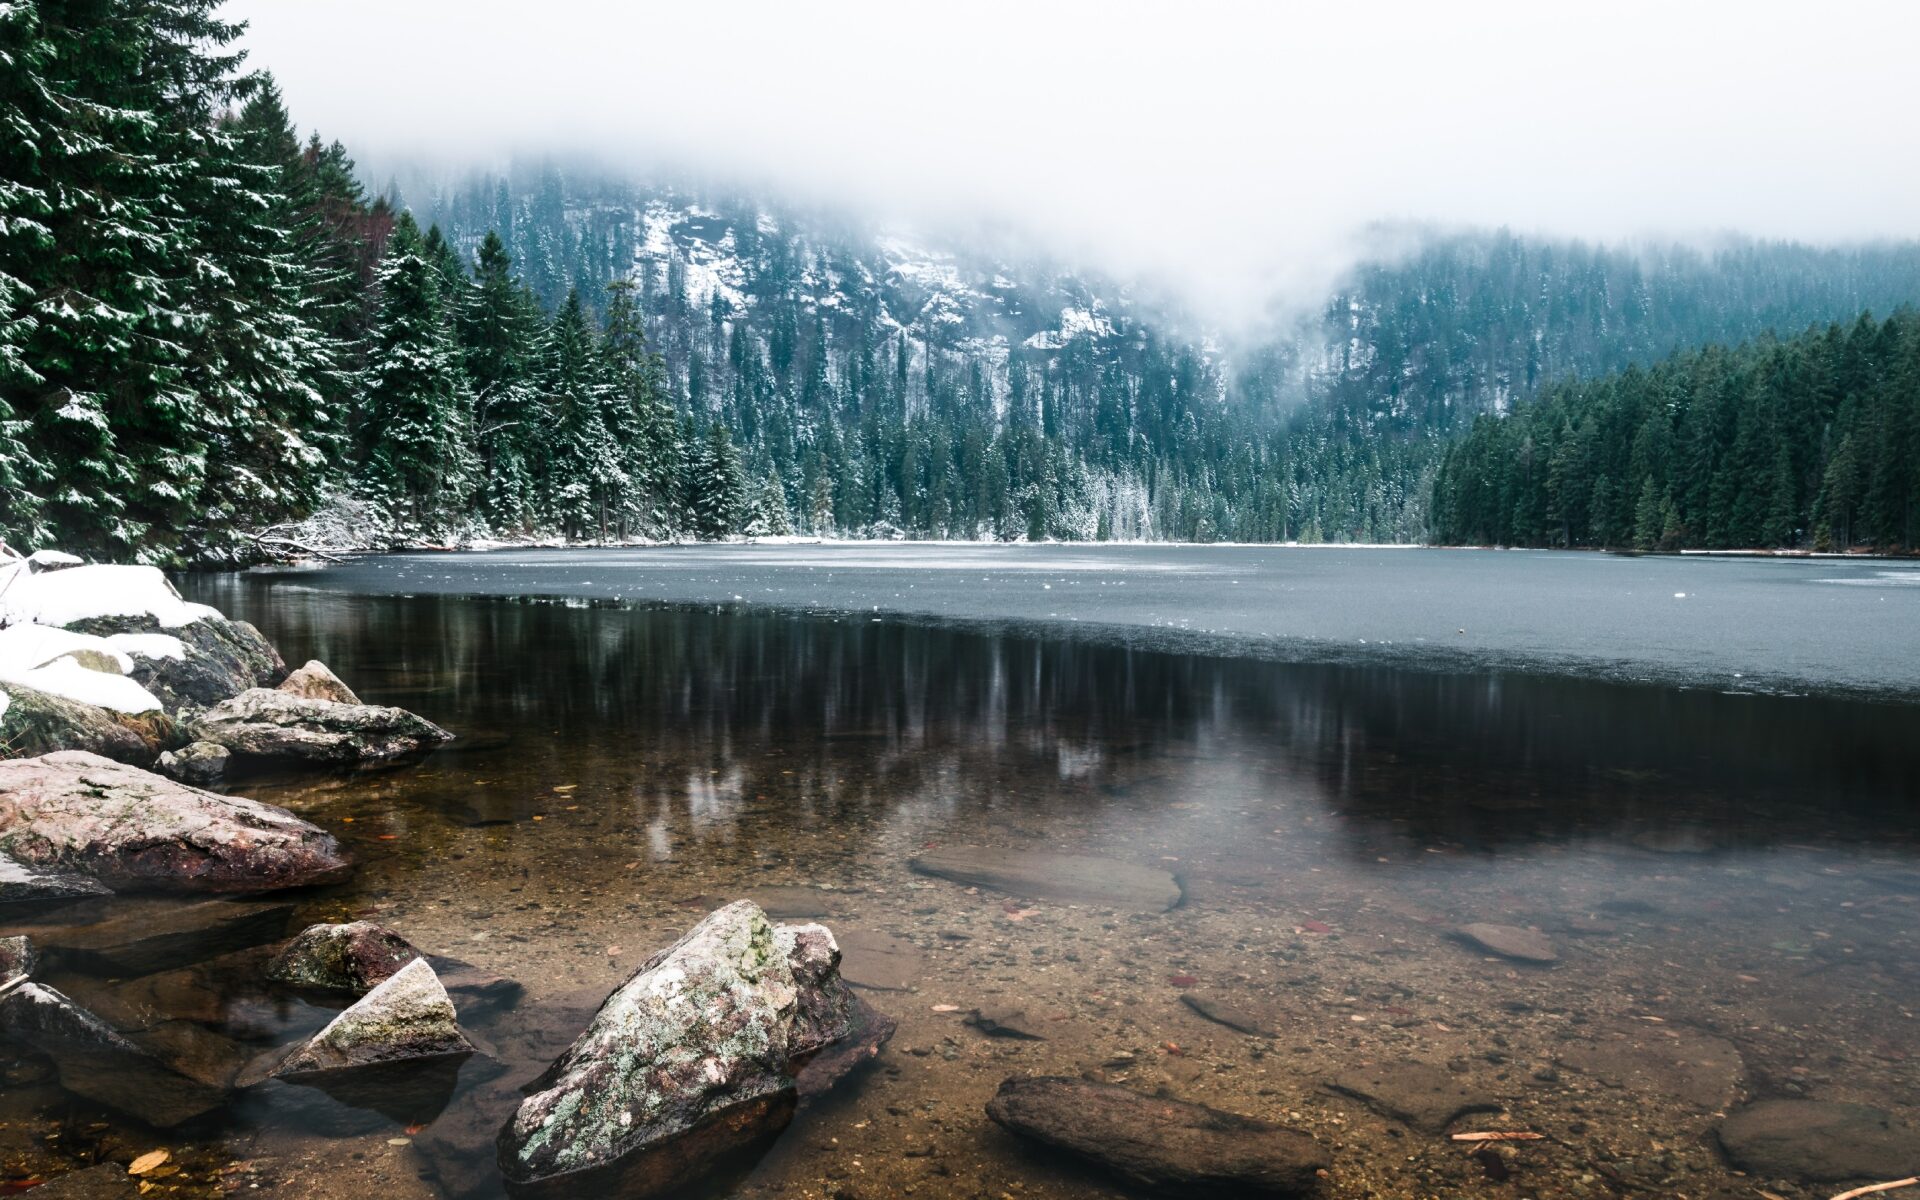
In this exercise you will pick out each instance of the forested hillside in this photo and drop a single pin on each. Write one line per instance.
(1811, 441)
(210, 331)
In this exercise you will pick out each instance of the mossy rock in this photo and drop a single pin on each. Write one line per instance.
(37, 723)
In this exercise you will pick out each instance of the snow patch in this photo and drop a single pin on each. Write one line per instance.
(82, 593)
(71, 681)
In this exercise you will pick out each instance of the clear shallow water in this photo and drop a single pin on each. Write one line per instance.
(1733, 883)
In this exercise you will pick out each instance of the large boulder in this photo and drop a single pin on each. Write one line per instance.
(692, 1059)
(201, 662)
(134, 830)
(95, 1062)
(37, 722)
(1165, 1147)
(262, 723)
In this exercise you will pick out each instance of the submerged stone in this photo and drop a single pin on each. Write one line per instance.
(133, 830)
(1698, 1068)
(1069, 877)
(1819, 1141)
(1510, 941)
(879, 961)
(1165, 1147)
(1429, 1098)
(1223, 1011)
(104, 1181)
(1007, 1021)
(262, 723)
(141, 937)
(98, 1063)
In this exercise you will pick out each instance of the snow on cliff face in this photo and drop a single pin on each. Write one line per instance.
(898, 280)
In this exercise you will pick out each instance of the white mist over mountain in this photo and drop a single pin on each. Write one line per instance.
(1229, 152)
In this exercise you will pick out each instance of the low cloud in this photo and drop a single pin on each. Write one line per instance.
(1230, 153)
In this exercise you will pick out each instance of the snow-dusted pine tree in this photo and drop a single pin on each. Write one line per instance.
(418, 405)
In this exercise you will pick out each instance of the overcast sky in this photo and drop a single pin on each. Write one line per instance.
(1230, 150)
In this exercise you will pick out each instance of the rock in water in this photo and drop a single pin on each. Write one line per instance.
(1427, 1097)
(134, 830)
(107, 1181)
(409, 1017)
(1006, 1021)
(17, 957)
(95, 1062)
(1509, 941)
(315, 682)
(267, 724)
(1819, 1141)
(141, 937)
(1070, 877)
(1166, 1147)
(1223, 1011)
(691, 1059)
(28, 888)
(360, 956)
(356, 958)
(198, 763)
(867, 1030)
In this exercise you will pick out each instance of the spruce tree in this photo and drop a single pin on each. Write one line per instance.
(418, 404)
(500, 339)
(583, 471)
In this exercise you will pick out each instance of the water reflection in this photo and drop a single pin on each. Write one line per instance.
(1732, 884)
(936, 719)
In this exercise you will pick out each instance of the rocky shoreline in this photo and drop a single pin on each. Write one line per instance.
(118, 718)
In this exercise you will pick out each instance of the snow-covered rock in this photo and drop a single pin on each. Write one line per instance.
(37, 722)
(74, 666)
(78, 593)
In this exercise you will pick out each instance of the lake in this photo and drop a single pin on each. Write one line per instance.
(1698, 779)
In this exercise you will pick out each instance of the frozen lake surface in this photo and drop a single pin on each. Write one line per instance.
(1729, 623)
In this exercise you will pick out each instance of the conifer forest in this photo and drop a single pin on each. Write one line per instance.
(217, 340)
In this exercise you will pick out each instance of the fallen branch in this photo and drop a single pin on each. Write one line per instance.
(264, 540)
(1501, 1137)
(1871, 1188)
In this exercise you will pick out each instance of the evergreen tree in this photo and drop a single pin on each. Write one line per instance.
(419, 406)
(499, 335)
(583, 475)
